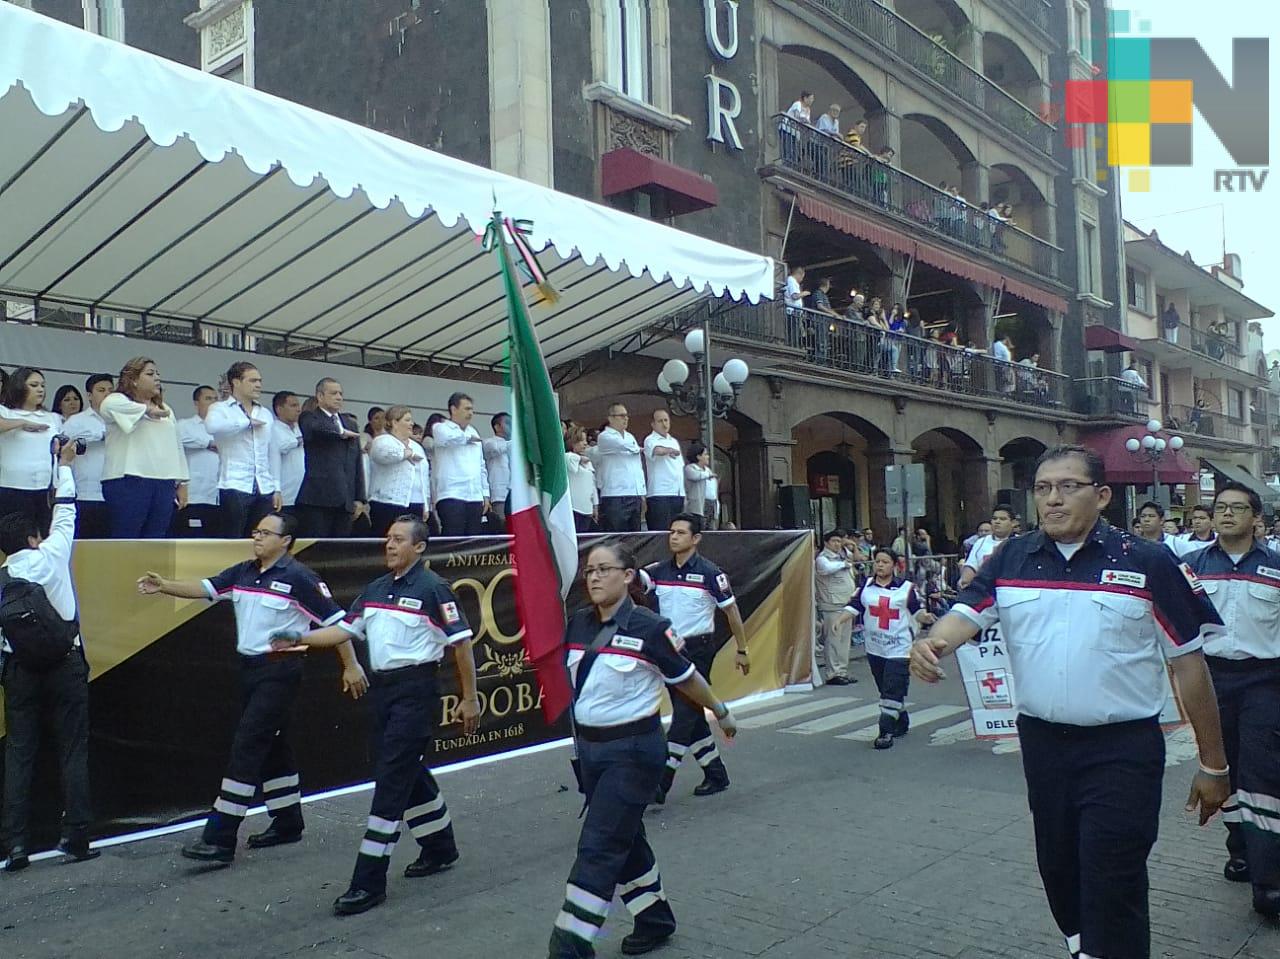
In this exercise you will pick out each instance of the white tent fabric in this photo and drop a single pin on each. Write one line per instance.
(132, 184)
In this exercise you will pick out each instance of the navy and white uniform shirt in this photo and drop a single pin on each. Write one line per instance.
(1246, 593)
(625, 684)
(888, 616)
(1088, 635)
(689, 595)
(407, 620)
(285, 595)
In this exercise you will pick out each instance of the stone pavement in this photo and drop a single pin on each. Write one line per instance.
(822, 848)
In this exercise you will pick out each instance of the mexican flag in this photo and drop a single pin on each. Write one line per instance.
(545, 542)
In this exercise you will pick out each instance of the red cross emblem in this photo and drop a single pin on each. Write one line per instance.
(992, 682)
(883, 612)
(1110, 577)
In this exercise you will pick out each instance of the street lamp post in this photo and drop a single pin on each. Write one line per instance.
(1152, 448)
(707, 396)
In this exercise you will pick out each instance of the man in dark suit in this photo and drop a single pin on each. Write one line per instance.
(333, 483)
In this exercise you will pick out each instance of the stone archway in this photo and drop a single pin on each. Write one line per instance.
(957, 495)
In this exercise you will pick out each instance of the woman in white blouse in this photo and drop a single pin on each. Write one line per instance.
(145, 469)
(583, 495)
(27, 434)
(399, 476)
(698, 475)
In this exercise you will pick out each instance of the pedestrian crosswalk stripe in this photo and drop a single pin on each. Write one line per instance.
(773, 702)
(791, 712)
(846, 717)
(922, 718)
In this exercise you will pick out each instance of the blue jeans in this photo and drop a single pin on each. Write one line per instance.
(139, 508)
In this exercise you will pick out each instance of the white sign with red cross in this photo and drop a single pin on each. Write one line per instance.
(988, 685)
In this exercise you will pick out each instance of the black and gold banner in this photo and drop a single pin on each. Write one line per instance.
(164, 697)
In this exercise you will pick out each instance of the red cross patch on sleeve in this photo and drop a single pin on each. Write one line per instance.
(1192, 580)
(723, 582)
(324, 589)
(676, 642)
(450, 613)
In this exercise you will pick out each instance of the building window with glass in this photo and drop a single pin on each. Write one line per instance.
(1090, 257)
(105, 18)
(628, 30)
(1080, 28)
(1136, 287)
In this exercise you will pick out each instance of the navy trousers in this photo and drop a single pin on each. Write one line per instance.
(619, 778)
(260, 753)
(893, 677)
(404, 702)
(689, 731)
(620, 514)
(1094, 793)
(460, 517)
(1249, 704)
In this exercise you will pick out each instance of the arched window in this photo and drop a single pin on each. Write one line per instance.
(628, 46)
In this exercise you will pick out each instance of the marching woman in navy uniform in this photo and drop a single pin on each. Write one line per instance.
(271, 591)
(1090, 616)
(619, 657)
(1242, 577)
(409, 617)
(890, 610)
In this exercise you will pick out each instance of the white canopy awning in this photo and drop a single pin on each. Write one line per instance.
(131, 184)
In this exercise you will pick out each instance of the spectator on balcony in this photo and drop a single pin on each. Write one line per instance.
(829, 122)
(788, 128)
(820, 302)
(793, 296)
(851, 164)
(880, 176)
(856, 310)
(897, 326)
(1002, 351)
(1169, 323)
(802, 109)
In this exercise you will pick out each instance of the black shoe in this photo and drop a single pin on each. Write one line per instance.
(18, 859)
(903, 726)
(709, 786)
(429, 863)
(78, 850)
(208, 852)
(271, 836)
(839, 681)
(884, 741)
(1266, 900)
(638, 943)
(355, 901)
(1236, 870)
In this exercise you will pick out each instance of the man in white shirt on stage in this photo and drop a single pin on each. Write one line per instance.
(664, 463)
(89, 427)
(621, 475)
(497, 461)
(286, 440)
(241, 426)
(462, 481)
(201, 518)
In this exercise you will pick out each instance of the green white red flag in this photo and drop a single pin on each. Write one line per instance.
(544, 540)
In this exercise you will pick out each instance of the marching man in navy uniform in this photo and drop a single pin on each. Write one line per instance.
(890, 610)
(271, 591)
(690, 588)
(1242, 577)
(1090, 613)
(619, 657)
(409, 617)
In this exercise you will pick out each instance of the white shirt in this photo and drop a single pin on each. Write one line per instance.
(138, 445)
(88, 426)
(798, 111)
(666, 473)
(984, 547)
(1134, 378)
(244, 446)
(497, 461)
(26, 459)
(583, 495)
(829, 124)
(619, 465)
(393, 478)
(1001, 352)
(286, 440)
(49, 564)
(459, 463)
(792, 294)
(203, 464)
(696, 479)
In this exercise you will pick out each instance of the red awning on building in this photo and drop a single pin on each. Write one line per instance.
(1106, 340)
(626, 169)
(1125, 467)
(865, 229)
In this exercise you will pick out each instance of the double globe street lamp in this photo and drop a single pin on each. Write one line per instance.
(705, 396)
(1152, 448)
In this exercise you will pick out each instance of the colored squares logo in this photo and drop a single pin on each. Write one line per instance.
(1171, 101)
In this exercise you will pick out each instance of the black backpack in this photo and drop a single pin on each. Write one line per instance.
(39, 637)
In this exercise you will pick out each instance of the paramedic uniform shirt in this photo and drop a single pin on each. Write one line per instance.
(1087, 636)
(285, 596)
(689, 595)
(407, 621)
(1247, 596)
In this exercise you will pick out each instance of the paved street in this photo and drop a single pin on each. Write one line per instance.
(822, 848)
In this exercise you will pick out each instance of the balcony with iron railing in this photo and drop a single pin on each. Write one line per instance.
(1196, 421)
(1038, 12)
(1186, 345)
(836, 344)
(899, 39)
(1112, 397)
(914, 205)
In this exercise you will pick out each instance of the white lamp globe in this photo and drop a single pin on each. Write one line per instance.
(663, 385)
(1148, 442)
(736, 372)
(695, 342)
(676, 372)
(722, 386)
(1160, 444)
(1154, 425)
(1176, 443)
(1131, 444)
